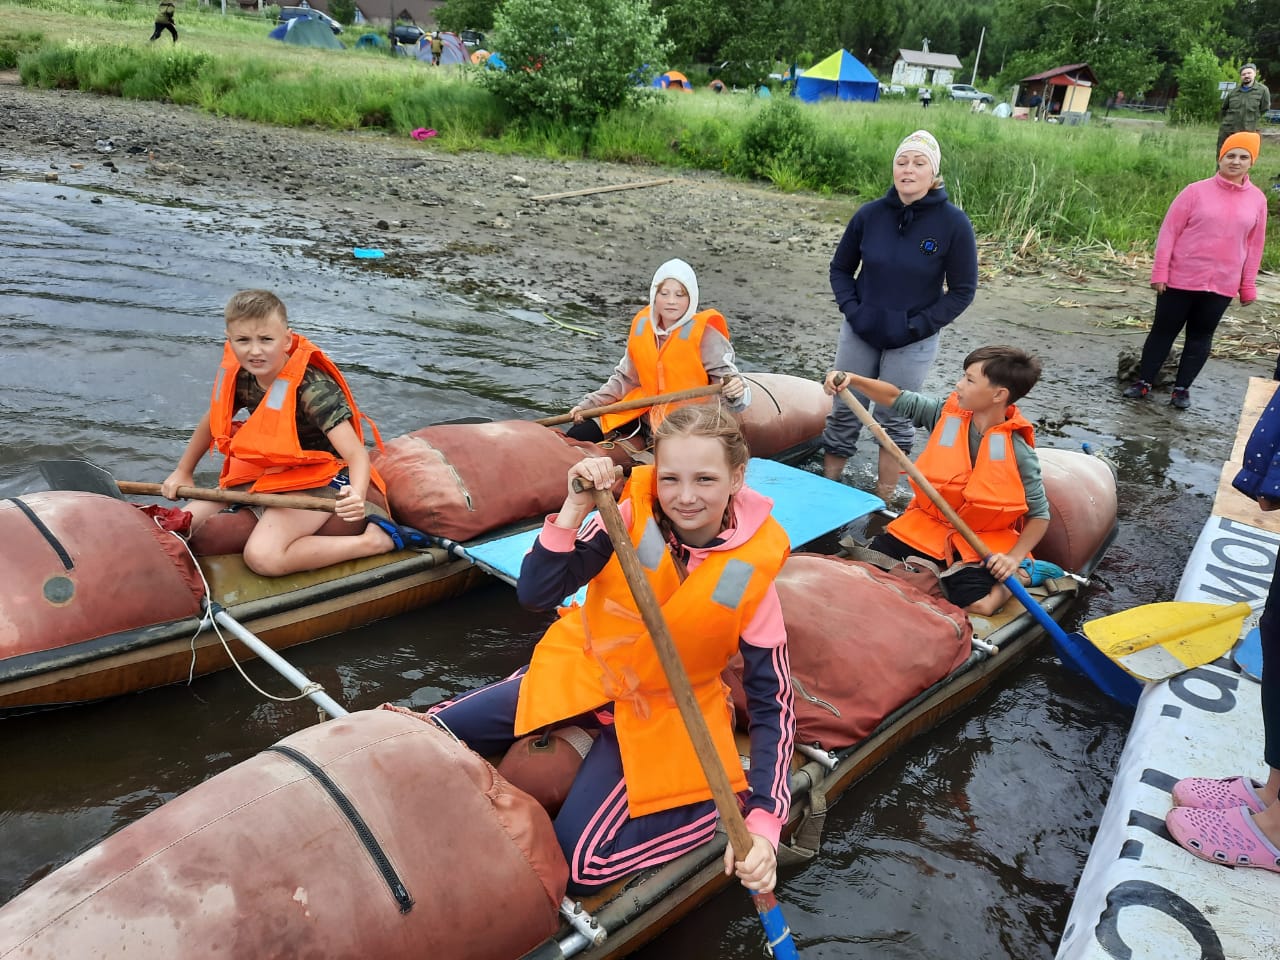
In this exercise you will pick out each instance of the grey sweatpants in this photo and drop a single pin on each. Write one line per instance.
(904, 367)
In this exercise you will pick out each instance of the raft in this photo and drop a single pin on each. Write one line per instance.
(255, 848)
(1139, 887)
(99, 601)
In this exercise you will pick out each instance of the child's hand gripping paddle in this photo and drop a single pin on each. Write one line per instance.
(775, 926)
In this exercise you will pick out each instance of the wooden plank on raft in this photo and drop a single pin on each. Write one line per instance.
(616, 186)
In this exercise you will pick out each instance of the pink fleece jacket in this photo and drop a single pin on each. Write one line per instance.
(1212, 238)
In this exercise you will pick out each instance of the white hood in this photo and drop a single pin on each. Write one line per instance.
(682, 273)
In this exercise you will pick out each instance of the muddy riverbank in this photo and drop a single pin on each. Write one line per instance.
(124, 226)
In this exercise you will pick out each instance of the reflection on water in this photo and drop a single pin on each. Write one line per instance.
(967, 843)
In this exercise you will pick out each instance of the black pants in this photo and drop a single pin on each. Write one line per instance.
(161, 27)
(588, 430)
(1269, 630)
(1197, 310)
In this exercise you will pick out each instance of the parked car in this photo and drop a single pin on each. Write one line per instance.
(964, 91)
(292, 13)
(892, 89)
(472, 38)
(406, 33)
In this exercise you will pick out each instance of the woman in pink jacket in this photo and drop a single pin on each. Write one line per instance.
(1208, 251)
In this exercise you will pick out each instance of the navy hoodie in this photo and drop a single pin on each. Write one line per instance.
(906, 252)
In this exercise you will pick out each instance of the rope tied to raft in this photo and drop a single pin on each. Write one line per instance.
(207, 620)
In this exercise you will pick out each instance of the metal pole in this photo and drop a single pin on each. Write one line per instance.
(973, 80)
(281, 666)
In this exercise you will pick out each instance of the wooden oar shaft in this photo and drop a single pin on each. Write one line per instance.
(711, 389)
(721, 790)
(886, 443)
(292, 501)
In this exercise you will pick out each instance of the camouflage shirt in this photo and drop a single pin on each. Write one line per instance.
(1244, 109)
(321, 406)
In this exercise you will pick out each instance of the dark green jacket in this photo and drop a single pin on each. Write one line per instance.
(1243, 109)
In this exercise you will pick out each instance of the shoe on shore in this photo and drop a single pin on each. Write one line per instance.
(1206, 793)
(1136, 390)
(1180, 398)
(1228, 837)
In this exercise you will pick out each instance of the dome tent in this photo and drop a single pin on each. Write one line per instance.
(840, 76)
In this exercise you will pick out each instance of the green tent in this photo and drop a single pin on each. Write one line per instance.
(306, 32)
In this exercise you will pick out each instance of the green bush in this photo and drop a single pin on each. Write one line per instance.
(1198, 98)
(13, 45)
(572, 60)
(778, 133)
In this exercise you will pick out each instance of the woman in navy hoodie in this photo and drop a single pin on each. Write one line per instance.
(919, 270)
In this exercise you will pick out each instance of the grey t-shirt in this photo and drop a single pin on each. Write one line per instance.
(927, 411)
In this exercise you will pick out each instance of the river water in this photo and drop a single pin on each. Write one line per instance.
(966, 844)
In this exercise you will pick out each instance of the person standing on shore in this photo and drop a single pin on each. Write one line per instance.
(906, 267)
(925, 96)
(1244, 107)
(164, 21)
(1236, 821)
(1208, 251)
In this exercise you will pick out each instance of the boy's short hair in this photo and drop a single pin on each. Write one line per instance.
(1004, 366)
(254, 305)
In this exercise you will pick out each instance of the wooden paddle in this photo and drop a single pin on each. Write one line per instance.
(1075, 650)
(294, 501)
(710, 390)
(777, 933)
(88, 476)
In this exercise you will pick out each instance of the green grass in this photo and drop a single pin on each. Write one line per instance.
(1034, 188)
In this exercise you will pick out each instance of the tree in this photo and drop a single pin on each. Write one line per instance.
(1126, 42)
(459, 15)
(1198, 98)
(344, 11)
(574, 60)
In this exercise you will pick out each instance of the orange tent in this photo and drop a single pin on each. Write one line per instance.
(673, 79)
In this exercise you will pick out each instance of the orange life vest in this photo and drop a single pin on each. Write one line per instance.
(600, 653)
(987, 494)
(676, 366)
(264, 450)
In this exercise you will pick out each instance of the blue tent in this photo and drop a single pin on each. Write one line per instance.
(840, 76)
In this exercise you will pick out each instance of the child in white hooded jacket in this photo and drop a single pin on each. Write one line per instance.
(671, 346)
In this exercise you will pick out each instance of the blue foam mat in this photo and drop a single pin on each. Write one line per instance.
(807, 506)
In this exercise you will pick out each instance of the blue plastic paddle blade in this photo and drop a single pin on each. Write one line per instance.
(775, 926)
(1248, 655)
(1078, 653)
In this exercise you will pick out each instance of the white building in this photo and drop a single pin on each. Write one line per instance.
(920, 67)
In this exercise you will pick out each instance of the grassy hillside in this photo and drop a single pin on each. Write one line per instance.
(1033, 187)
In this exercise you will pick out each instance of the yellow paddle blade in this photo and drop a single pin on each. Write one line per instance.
(1161, 640)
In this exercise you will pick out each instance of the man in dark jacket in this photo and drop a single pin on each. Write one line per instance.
(1245, 106)
(164, 21)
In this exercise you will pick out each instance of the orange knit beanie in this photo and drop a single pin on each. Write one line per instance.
(1244, 140)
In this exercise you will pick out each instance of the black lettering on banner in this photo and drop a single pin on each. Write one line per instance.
(1143, 893)
(1153, 825)
(1225, 683)
(1239, 584)
(1219, 549)
(1248, 532)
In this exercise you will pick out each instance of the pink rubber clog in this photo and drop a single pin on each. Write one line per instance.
(1228, 837)
(1205, 793)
